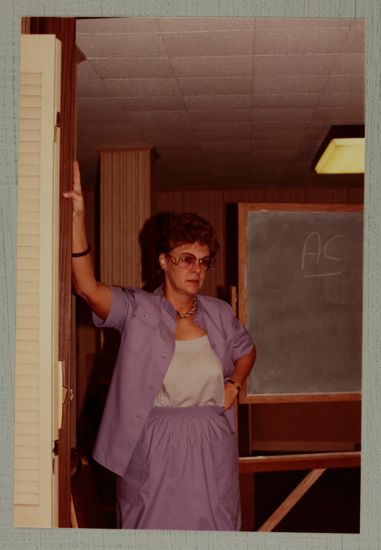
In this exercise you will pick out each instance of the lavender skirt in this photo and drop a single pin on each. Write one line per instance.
(183, 473)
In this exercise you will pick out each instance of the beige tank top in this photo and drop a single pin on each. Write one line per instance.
(194, 376)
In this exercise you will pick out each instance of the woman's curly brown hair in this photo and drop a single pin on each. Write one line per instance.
(174, 229)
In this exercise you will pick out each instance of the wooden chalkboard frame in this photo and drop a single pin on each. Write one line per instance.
(243, 211)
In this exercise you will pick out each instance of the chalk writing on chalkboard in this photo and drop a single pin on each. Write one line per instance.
(313, 252)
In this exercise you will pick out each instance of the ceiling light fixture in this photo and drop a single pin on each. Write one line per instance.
(342, 151)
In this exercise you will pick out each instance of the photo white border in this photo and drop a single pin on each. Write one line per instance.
(369, 537)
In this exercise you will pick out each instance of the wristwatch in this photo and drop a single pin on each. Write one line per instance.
(235, 384)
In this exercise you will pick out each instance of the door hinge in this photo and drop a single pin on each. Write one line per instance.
(55, 448)
(54, 455)
(57, 126)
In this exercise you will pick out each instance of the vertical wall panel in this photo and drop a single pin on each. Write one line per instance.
(125, 207)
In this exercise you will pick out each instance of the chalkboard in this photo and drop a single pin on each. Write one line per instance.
(300, 296)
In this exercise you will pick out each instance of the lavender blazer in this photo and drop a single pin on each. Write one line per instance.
(147, 325)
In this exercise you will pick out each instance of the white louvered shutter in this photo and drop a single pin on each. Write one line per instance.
(36, 413)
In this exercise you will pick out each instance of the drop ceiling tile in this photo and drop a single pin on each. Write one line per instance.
(157, 103)
(92, 88)
(302, 101)
(184, 127)
(310, 149)
(167, 139)
(300, 40)
(350, 63)
(228, 163)
(194, 24)
(209, 43)
(98, 109)
(288, 64)
(121, 45)
(201, 65)
(215, 85)
(259, 148)
(301, 22)
(213, 131)
(280, 138)
(281, 115)
(91, 131)
(114, 143)
(235, 115)
(288, 84)
(109, 141)
(206, 127)
(229, 102)
(339, 115)
(184, 156)
(342, 100)
(278, 128)
(262, 168)
(276, 153)
(158, 117)
(86, 71)
(178, 149)
(345, 84)
(226, 146)
(117, 25)
(133, 67)
(142, 87)
(355, 41)
(234, 156)
(319, 127)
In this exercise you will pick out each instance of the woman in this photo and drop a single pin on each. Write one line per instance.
(167, 429)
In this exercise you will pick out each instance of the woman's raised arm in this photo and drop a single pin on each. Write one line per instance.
(96, 294)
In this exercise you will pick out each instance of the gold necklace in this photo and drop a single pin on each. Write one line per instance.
(189, 313)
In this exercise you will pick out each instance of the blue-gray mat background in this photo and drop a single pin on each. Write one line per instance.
(369, 538)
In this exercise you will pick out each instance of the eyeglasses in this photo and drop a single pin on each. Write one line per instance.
(187, 260)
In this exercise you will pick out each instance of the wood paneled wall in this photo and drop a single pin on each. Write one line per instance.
(125, 206)
(212, 205)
